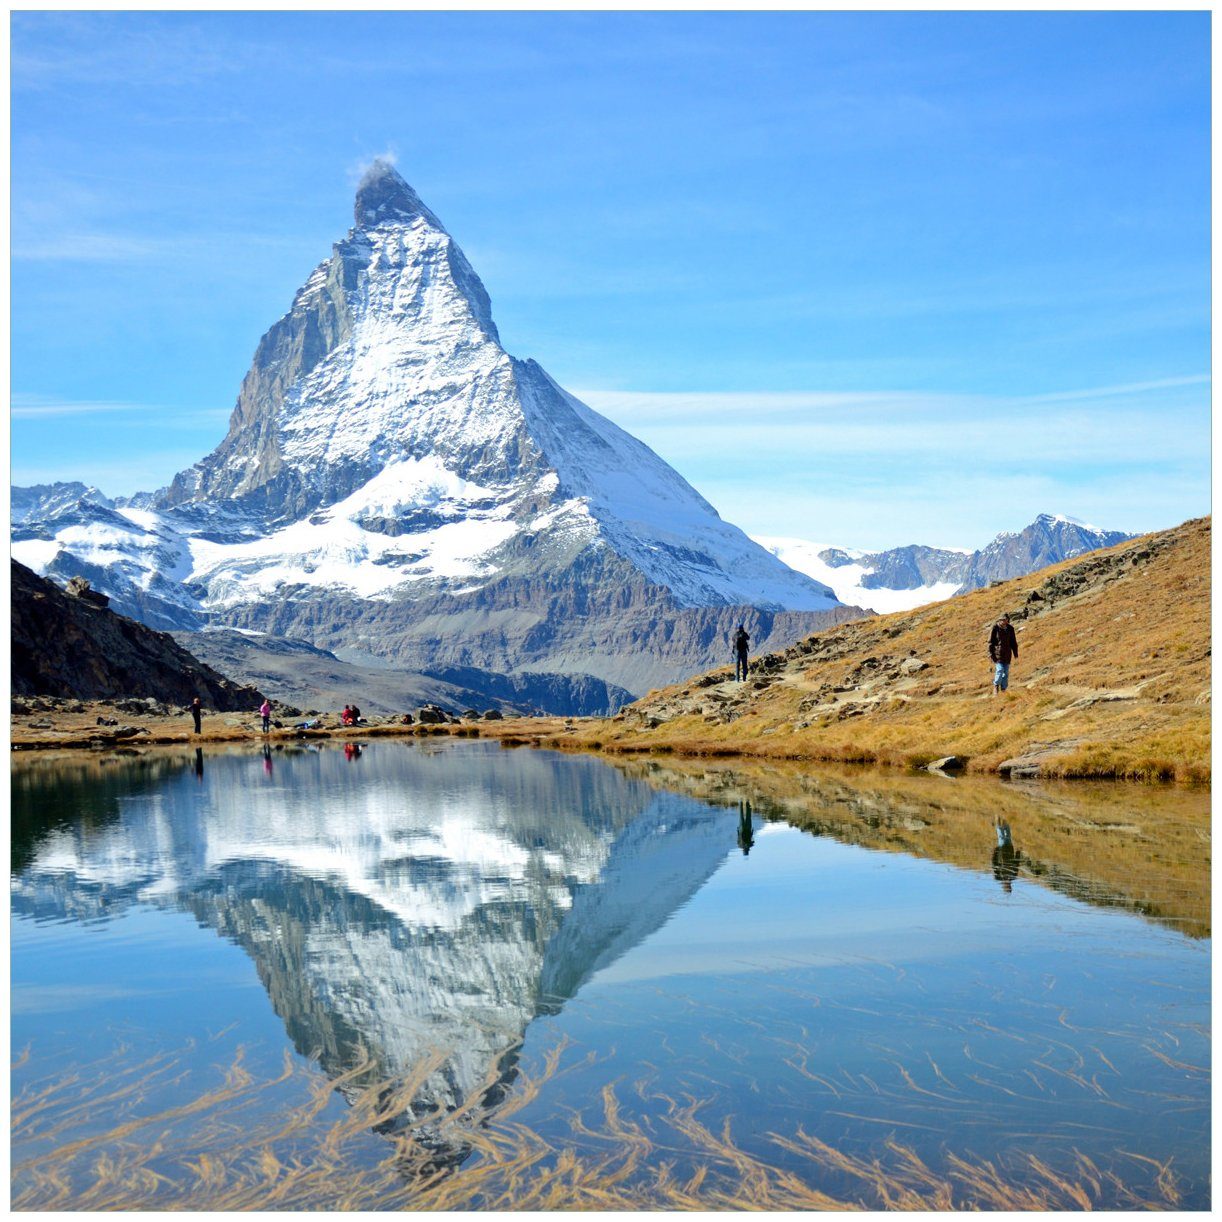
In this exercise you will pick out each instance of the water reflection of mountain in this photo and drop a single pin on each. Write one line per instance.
(1141, 848)
(409, 901)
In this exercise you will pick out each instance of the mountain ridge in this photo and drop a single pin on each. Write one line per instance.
(901, 578)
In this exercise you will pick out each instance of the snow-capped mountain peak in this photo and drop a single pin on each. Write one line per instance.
(394, 481)
(382, 196)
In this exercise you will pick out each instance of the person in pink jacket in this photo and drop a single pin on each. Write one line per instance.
(265, 711)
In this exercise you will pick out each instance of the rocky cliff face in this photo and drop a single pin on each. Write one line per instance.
(394, 483)
(72, 646)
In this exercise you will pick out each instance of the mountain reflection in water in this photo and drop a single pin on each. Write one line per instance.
(423, 904)
(419, 901)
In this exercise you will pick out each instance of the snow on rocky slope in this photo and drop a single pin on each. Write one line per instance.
(389, 466)
(906, 577)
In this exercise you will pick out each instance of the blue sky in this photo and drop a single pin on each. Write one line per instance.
(868, 279)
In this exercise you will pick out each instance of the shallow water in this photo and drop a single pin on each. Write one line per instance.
(451, 914)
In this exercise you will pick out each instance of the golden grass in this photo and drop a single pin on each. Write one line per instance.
(1113, 680)
(89, 1139)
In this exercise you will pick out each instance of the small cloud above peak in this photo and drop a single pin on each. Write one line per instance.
(378, 167)
(383, 197)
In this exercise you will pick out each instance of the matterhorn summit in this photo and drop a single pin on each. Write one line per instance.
(395, 484)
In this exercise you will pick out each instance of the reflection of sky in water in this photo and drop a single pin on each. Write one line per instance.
(472, 896)
(801, 899)
(914, 1000)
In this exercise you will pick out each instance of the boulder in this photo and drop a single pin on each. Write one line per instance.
(79, 587)
(493, 715)
(948, 763)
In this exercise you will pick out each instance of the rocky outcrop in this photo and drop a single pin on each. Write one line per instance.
(72, 646)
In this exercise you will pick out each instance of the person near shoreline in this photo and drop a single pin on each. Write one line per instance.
(1003, 648)
(197, 712)
(746, 828)
(1006, 857)
(742, 645)
(265, 711)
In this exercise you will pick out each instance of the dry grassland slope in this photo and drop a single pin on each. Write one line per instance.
(1112, 679)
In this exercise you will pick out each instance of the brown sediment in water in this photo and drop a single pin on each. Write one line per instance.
(88, 1139)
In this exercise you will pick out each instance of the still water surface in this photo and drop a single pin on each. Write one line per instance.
(453, 914)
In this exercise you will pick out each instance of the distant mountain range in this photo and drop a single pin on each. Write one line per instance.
(905, 577)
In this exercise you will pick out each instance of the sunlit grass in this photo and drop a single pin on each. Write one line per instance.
(1113, 680)
(92, 1138)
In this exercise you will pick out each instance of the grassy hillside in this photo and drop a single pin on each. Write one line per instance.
(1112, 679)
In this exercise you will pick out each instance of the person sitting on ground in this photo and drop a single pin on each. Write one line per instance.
(742, 643)
(345, 718)
(356, 715)
(1003, 647)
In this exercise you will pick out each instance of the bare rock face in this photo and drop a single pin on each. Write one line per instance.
(79, 587)
(71, 646)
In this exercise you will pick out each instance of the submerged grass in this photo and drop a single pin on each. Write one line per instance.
(94, 1138)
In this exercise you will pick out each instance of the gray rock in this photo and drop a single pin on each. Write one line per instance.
(948, 763)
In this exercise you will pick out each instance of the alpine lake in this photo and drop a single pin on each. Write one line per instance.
(445, 974)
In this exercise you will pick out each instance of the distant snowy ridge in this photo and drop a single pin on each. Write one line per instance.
(394, 482)
(906, 577)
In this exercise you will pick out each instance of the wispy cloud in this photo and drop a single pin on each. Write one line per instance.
(651, 405)
(45, 410)
(871, 468)
(40, 407)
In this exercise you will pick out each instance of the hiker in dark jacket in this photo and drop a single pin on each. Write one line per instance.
(742, 643)
(197, 712)
(1003, 647)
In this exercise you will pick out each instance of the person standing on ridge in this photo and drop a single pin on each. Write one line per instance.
(1003, 647)
(742, 643)
(197, 711)
(265, 711)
